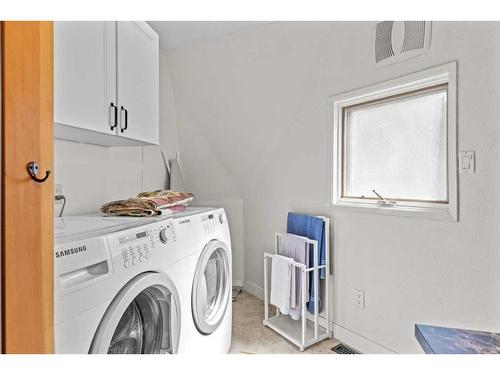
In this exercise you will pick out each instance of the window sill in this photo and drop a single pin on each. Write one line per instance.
(445, 213)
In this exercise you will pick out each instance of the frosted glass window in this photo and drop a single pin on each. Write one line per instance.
(398, 147)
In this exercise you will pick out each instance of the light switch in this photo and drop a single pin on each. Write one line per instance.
(466, 162)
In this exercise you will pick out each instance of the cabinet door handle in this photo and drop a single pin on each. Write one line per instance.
(114, 108)
(122, 129)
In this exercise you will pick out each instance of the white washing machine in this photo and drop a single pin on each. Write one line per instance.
(204, 282)
(113, 292)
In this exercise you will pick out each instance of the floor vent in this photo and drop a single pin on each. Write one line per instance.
(344, 349)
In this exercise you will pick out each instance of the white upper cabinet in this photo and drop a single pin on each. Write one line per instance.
(106, 83)
(138, 81)
(85, 79)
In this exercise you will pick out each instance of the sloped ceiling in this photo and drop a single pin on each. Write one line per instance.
(176, 34)
(243, 93)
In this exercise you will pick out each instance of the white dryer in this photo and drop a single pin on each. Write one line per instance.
(113, 293)
(204, 281)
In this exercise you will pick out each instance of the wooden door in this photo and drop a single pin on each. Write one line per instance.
(138, 81)
(85, 75)
(27, 206)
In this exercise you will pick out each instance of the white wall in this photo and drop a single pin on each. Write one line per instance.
(252, 114)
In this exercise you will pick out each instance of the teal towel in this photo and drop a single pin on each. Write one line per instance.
(313, 228)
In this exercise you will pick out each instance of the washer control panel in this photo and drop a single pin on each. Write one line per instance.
(209, 225)
(135, 246)
(211, 221)
(166, 233)
(134, 254)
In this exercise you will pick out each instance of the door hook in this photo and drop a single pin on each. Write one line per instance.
(33, 171)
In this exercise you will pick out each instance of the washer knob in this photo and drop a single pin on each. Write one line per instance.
(163, 235)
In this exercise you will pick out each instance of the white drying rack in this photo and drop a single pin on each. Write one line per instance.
(303, 332)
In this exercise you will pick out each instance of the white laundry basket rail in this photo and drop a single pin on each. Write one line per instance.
(303, 332)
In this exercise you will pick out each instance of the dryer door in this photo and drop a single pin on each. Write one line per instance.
(211, 287)
(144, 318)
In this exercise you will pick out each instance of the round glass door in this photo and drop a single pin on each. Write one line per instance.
(140, 329)
(211, 287)
(144, 318)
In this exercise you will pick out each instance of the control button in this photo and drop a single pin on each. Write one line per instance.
(126, 264)
(148, 255)
(141, 258)
(163, 235)
(221, 218)
(134, 260)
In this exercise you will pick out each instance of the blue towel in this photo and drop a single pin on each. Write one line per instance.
(313, 228)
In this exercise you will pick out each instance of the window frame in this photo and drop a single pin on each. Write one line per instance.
(403, 86)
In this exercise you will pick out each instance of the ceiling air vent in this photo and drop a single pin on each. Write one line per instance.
(401, 40)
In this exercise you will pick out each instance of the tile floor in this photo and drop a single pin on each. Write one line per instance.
(251, 337)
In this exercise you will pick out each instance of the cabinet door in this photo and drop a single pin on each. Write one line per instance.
(138, 81)
(85, 75)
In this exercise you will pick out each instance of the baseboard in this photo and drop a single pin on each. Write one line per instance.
(254, 289)
(358, 342)
(239, 283)
(352, 339)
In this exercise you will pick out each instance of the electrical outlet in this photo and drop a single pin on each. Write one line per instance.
(359, 296)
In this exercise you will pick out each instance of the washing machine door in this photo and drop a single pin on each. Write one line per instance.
(211, 287)
(144, 318)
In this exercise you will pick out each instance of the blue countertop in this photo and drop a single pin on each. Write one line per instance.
(442, 340)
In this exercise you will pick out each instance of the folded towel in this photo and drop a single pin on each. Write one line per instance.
(149, 203)
(313, 228)
(294, 246)
(171, 210)
(170, 197)
(281, 276)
